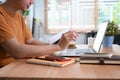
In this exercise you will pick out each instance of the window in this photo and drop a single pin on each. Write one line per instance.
(83, 14)
(78, 14)
(109, 10)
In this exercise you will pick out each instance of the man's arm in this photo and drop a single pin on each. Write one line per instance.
(32, 41)
(18, 50)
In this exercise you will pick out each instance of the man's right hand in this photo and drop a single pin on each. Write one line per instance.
(67, 38)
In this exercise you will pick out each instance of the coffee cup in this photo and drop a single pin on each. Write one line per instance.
(90, 41)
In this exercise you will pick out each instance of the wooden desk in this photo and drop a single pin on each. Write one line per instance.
(20, 70)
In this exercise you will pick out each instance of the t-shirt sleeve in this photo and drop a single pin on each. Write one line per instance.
(5, 32)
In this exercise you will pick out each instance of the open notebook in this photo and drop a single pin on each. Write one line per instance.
(96, 45)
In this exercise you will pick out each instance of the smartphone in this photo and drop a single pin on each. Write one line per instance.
(57, 58)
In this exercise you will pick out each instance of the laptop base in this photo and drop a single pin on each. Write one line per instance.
(74, 52)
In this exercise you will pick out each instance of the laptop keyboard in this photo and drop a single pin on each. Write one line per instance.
(76, 52)
(84, 51)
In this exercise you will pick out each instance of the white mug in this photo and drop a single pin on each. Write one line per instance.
(90, 41)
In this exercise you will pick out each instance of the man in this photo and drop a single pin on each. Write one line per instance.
(15, 39)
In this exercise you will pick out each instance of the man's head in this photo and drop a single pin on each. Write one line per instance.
(21, 4)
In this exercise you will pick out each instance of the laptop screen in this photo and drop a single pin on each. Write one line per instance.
(100, 35)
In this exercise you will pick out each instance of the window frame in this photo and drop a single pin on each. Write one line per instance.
(52, 31)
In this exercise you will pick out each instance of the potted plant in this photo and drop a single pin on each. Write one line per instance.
(25, 13)
(112, 30)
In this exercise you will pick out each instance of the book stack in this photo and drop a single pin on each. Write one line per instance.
(51, 61)
(99, 58)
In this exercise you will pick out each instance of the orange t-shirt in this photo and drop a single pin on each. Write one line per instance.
(11, 26)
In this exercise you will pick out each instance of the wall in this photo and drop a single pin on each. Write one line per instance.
(2, 0)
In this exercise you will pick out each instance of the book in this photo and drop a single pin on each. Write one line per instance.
(115, 59)
(50, 61)
(104, 55)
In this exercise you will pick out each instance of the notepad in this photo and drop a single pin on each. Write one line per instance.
(51, 63)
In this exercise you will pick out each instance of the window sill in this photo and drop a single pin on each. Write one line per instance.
(81, 30)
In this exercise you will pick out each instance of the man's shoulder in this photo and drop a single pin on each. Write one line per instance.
(2, 13)
(1, 10)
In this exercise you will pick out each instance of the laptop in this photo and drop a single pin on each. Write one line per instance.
(96, 45)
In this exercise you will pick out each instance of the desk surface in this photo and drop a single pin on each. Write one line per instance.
(20, 70)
